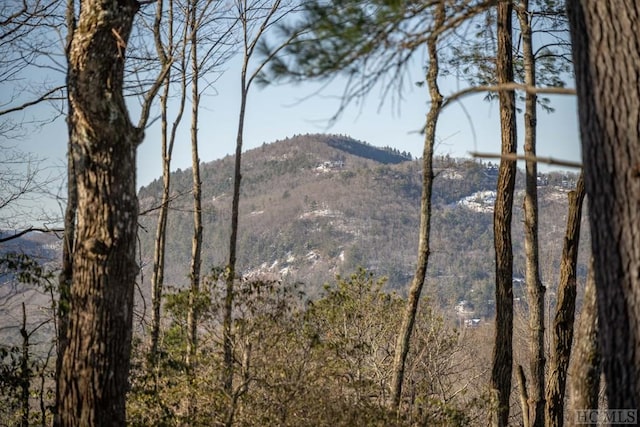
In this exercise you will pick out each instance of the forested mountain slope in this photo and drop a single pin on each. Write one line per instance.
(314, 206)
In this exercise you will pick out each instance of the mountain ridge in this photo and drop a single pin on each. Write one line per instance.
(313, 206)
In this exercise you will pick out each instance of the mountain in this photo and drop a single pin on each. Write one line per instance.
(313, 206)
(23, 261)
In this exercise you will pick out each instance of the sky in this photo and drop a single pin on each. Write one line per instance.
(275, 113)
(278, 112)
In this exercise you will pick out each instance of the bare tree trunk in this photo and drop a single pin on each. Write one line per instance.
(585, 372)
(233, 242)
(230, 276)
(196, 242)
(255, 18)
(68, 239)
(167, 142)
(157, 275)
(524, 396)
(93, 378)
(535, 288)
(565, 312)
(409, 316)
(25, 371)
(607, 65)
(503, 347)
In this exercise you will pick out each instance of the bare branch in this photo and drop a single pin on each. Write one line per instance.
(508, 87)
(30, 230)
(151, 93)
(171, 199)
(47, 96)
(529, 158)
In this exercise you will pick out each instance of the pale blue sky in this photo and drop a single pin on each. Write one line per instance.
(278, 112)
(282, 111)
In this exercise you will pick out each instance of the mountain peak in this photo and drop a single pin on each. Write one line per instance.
(318, 144)
(313, 206)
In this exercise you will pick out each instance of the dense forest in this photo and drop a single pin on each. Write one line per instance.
(318, 280)
(314, 206)
(327, 238)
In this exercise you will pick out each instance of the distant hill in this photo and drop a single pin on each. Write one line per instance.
(44, 246)
(318, 205)
(45, 250)
(386, 155)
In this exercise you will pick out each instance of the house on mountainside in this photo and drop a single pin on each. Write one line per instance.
(330, 165)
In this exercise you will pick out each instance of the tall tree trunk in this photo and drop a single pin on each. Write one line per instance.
(196, 242)
(168, 139)
(565, 311)
(255, 19)
(535, 288)
(68, 239)
(503, 345)
(25, 371)
(409, 316)
(585, 371)
(233, 241)
(157, 275)
(93, 378)
(230, 276)
(524, 396)
(607, 65)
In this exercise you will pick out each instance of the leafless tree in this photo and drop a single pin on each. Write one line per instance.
(415, 290)
(536, 290)
(103, 142)
(31, 43)
(562, 332)
(171, 48)
(24, 182)
(255, 18)
(503, 348)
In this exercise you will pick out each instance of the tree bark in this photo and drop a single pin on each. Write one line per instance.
(196, 241)
(535, 288)
(607, 65)
(68, 239)
(25, 371)
(157, 275)
(93, 378)
(524, 396)
(233, 240)
(585, 371)
(253, 27)
(415, 290)
(565, 312)
(503, 344)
